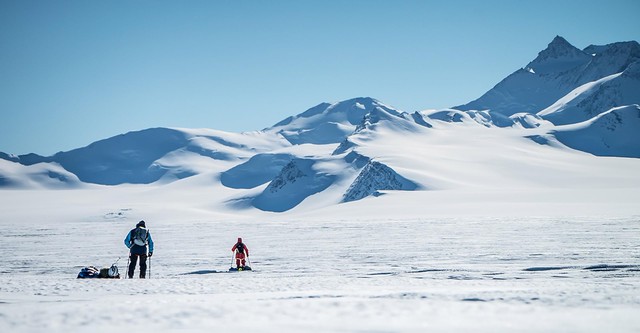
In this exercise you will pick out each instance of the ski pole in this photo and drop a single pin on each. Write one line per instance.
(149, 267)
(232, 257)
(128, 259)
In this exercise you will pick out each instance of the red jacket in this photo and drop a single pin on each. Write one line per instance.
(246, 249)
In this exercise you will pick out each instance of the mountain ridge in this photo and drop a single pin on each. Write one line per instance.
(347, 151)
(555, 72)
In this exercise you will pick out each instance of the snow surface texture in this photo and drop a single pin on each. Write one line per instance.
(442, 274)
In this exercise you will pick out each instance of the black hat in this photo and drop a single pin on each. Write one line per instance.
(141, 224)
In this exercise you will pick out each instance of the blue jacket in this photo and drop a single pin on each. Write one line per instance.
(137, 249)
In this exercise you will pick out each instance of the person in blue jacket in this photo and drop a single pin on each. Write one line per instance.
(140, 243)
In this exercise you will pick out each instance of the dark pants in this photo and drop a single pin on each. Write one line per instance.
(143, 265)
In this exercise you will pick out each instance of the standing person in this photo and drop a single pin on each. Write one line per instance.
(241, 251)
(137, 241)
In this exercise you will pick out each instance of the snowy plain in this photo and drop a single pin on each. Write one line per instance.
(362, 272)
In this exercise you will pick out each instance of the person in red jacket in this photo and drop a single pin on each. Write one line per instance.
(241, 251)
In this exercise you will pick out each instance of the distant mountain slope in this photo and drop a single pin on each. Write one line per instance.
(376, 177)
(596, 97)
(127, 158)
(520, 136)
(612, 133)
(41, 175)
(258, 170)
(556, 71)
(297, 180)
(327, 123)
(144, 157)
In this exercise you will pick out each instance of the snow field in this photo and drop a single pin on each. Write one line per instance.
(448, 274)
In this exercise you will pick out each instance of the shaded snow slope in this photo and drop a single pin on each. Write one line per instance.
(42, 175)
(258, 170)
(594, 98)
(127, 158)
(297, 180)
(613, 133)
(147, 156)
(609, 59)
(527, 90)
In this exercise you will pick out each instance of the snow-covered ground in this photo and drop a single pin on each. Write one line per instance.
(359, 217)
(571, 274)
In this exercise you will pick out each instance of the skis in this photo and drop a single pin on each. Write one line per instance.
(239, 269)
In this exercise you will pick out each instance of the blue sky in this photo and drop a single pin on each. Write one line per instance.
(73, 72)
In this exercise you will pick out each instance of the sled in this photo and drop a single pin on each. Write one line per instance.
(235, 269)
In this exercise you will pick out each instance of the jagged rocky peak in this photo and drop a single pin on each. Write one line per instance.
(9, 157)
(609, 59)
(376, 177)
(595, 50)
(298, 180)
(559, 56)
(290, 174)
(345, 145)
(374, 116)
(630, 49)
(558, 48)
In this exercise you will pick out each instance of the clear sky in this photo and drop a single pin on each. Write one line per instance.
(74, 72)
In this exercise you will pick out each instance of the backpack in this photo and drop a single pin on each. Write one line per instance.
(139, 236)
(240, 247)
(88, 272)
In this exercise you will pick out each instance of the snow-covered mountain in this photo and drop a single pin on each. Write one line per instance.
(327, 123)
(554, 73)
(593, 98)
(155, 154)
(612, 133)
(540, 129)
(376, 177)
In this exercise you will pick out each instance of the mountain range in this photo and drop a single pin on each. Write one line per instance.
(568, 119)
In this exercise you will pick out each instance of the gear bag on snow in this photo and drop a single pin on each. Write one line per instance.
(92, 272)
(140, 236)
(110, 273)
(88, 272)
